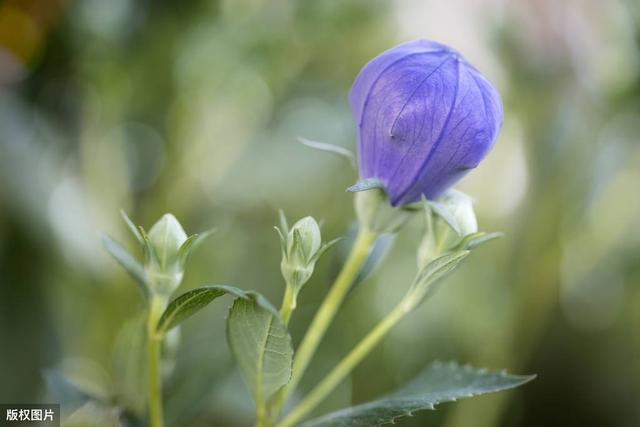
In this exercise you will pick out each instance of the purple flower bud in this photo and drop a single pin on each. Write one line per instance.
(425, 118)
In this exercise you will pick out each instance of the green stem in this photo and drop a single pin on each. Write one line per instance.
(344, 368)
(154, 363)
(288, 304)
(262, 418)
(359, 253)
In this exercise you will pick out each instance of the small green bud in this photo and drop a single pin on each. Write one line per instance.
(304, 239)
(447, 222)
(166, 237)
(461, 207)
(164, 263)
(166, 250)
(302, 244)
(301, 248)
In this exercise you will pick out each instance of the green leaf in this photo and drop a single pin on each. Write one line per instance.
(150, 254)
(127, 261)
(330, 148)
(191, 243)
(189, 303)
(132, 227)
(437, 384)
(474, 240)
(434, 271)
(284, 225)
(325, 247)
(283, 242)
(261, 344)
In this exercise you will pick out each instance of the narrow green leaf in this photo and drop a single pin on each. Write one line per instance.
(474, 240)
(284, 226)
(261, 344)
(283, 242)
(437, 384)
(132, 227)
(191, 243)
(189, 303)
(325, 247)
(150, 254)
(331, 148)
(127, 261)
(423, 286)
(366, 184)
(439, 267)
(297, 243)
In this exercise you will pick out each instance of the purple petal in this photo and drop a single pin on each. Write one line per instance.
(425, 117)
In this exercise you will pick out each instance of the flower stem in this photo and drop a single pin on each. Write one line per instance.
(359, 253)
(288, 304)
(154, 363)
(344, 368)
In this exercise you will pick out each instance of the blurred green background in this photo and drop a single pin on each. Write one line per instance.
(194, 107)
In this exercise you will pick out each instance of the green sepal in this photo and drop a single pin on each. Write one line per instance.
(331, 148)
(366, 184)
(284, 226)
(474, 240)
(283, 242)
(423, 285)
(127, 261)
(132, 227)
(191, 243)
(325, 247)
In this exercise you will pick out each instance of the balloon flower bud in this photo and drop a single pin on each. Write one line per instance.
(447, 222)
(425, 118)
(163, 262)
(166, 250)
(300, 251)
(461, 214)
(301, 248)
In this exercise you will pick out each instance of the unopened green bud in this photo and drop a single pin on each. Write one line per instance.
(301, 248)
(164, 261)
(166, 249)
(303, 242)
(447, 222)
(166, 237)
(461, 207)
